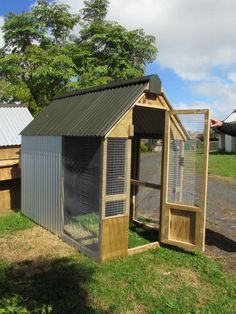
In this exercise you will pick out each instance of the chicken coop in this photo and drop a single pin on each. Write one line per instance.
(13, 119)
(102, 163)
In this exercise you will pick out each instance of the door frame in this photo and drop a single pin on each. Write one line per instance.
(167, 207)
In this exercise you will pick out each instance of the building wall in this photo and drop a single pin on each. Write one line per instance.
(233, 144)
(228, 143)
(41, 180)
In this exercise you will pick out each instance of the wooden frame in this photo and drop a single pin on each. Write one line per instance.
(114, 229)
(193, 218)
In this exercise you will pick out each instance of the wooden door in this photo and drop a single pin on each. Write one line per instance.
(185, 170)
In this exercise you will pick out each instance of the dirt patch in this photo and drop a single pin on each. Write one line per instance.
(182, 276)
(31, 244)
(188, 277)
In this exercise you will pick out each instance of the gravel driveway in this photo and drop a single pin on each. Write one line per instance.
(221, 221)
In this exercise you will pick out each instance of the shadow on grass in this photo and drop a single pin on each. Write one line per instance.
(140, 235)
(219, 240)
(221, 153)
(149, 234)
(60, 284)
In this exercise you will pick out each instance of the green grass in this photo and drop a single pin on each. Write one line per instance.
(222, 164)
(157, 281)
(140, 235)
(88, 221)
(13, 222)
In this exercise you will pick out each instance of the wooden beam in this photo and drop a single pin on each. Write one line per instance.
(189, 111)
(164, 226)
(183, 207)
(146, 184)
(10, 152)
(201, 218)
(115, 197)
(9, 173)
(9, 162)
(143, 248)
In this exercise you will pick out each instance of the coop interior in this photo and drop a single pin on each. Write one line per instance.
(146, 176)
(113, 187)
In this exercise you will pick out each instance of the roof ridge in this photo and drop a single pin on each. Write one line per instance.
(115, 84)
(12, 105)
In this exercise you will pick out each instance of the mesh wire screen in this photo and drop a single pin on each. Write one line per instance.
(116, 166)
(147, 204)
(114, 208)
(186, 161)
(116, 176)
(82, 173)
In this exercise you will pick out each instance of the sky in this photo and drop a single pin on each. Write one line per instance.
(196, 59)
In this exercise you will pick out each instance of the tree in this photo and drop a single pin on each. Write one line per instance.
(116, 53)
(42, 57)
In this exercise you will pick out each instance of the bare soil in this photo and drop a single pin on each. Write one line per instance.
(33, 244)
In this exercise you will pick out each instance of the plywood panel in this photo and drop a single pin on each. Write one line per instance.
(114, 237)
(9, 152)
(182, 226)
(124, 127)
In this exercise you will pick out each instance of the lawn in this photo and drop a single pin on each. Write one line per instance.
(43, 278)
(222, 164)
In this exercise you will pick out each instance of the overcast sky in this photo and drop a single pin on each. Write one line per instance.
(196, 42)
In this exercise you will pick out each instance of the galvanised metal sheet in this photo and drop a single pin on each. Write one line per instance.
(12, 121)
(92, 114)
(41, 180)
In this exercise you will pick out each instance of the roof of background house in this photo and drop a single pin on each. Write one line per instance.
(13, 119)
(231, 117)
(92, 111)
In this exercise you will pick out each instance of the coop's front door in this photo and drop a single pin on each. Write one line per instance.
(185, 178)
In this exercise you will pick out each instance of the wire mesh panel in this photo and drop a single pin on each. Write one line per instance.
(114, 208)
(147, 203)
(147, 206)
(116, 176)
(82, 177)
(116, 166)
(186, 162)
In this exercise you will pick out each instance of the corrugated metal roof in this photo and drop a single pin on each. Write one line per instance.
(13, 119)
(93, 111)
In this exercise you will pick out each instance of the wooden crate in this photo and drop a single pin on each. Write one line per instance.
(10, 194)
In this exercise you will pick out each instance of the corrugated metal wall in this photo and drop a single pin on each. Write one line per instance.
(41, 180)
(12, 121)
